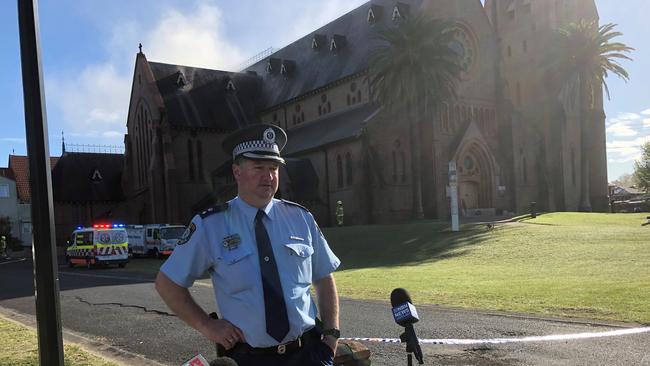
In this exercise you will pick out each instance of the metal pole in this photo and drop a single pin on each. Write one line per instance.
(48, 314)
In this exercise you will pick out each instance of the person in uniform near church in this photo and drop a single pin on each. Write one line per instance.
(339, 213)
(262, 254)
(3, 247)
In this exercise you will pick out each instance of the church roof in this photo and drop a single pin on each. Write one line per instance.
(316, 67)
(204, 98)
(325, 131)
(88, 177)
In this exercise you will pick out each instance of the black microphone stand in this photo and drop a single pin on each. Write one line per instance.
(411, 349)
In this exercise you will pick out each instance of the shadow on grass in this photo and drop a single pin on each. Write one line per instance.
(395, 245)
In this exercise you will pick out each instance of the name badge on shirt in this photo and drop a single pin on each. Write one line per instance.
(231, 242)
(296, 238)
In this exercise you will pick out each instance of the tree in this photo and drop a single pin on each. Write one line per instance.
(642, 168)
(626, 180)
(414, 67)
(588, 56)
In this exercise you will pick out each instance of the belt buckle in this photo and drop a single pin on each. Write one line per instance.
(282, 349)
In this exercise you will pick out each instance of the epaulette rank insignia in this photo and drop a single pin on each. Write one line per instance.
(295, 204)
(214, 210)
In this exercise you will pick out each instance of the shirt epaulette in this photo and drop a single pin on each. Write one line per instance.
(214, 210)
(295, 204)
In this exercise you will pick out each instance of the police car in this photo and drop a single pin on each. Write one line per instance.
(98, 245)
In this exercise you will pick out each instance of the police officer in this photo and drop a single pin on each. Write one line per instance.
(262, 255)
(3, 247)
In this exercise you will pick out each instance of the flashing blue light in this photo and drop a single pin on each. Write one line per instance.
(79, 227)
(118, 225)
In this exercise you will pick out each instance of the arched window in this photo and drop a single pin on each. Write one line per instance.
(394, 166)
(524, 170)
(403, 165)
(573, 166)
(190, 160)
(348, 169)
(339, 171)
(199, 159)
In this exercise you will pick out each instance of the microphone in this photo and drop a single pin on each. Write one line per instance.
(405, 315)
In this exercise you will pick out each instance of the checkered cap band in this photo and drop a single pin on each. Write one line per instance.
(259, 146)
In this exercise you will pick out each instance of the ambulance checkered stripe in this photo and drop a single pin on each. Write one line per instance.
(80, 252)
(111, 250)
(255, 145)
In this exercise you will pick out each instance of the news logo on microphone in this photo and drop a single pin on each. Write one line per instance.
(405, 314)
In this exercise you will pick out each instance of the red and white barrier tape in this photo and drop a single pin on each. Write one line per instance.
(548, 338)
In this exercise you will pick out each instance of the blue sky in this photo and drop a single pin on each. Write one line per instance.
(89, 47)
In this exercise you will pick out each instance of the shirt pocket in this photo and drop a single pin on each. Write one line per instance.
(235, 272)
(300, 260)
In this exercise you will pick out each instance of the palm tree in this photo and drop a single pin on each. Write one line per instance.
(589, 55)
(414, 66)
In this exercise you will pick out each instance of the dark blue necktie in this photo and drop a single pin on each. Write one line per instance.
(275, 309)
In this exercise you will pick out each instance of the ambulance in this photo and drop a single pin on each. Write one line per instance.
(100, 244)
(158, 240)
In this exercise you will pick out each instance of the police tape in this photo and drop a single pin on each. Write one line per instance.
(547, 338)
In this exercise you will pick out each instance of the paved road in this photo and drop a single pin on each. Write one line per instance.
(121, 309)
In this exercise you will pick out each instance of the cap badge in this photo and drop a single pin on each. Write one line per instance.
(269, 136)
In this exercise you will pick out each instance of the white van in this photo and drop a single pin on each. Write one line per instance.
(98, 245)
(154, 239)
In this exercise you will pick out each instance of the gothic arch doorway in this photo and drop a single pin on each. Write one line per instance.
(476, 173)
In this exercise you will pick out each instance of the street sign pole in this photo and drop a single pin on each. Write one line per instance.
(48, 312)
(453, 192)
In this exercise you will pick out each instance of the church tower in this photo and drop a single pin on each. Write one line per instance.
(546, 139)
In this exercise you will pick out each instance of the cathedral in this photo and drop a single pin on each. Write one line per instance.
(512, 143)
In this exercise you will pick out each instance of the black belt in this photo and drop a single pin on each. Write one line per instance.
(281, 349)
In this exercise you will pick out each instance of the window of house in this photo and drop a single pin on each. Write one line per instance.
(348, 169)
(4, 190)
(509, 51)
(525, 46)
(27, 228)
(190, 160)
(339, 171)
(518, 94)
(403, 165)
(511, 15)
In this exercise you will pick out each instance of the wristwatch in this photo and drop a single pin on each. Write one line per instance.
(332, 332)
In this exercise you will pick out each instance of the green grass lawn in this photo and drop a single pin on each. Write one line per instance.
(19, 347)
(594, 266)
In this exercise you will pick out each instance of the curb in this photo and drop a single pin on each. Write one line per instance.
(93, 346)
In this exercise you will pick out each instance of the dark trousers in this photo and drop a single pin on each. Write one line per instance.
(313, 353)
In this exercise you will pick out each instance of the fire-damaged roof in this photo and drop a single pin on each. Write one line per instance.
(88, 177)
(334, 128)
(337, 50)
(204, 98)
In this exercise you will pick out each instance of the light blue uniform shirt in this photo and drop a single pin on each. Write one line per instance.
(224, 244)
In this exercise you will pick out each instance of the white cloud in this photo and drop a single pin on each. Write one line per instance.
(621, 129)
(94, 100)
(13, 139)
(623, 151)
(628, 116)
(194, 39)
(646, 123)
(646, 112)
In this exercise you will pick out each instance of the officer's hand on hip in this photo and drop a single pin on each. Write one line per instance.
(223, 332)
